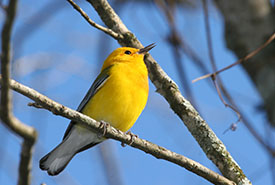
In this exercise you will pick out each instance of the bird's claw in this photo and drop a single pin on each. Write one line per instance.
(103, 125)
(133, 136)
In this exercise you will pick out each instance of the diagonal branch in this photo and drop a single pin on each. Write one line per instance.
(146, 146)
(92, 23)
(26, 132)
(248, 56)
(208, 141)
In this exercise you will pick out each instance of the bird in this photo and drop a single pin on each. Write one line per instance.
(117, 97)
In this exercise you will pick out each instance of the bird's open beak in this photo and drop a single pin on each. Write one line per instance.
(146, 49)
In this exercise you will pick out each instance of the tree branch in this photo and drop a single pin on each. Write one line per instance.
(209, 142)
(92, 23)
(146, 146)
(25, 162)
(26, 132)
(248, 56)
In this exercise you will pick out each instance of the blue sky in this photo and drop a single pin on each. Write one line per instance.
(63, 56)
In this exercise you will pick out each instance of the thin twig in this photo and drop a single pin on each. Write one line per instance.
(208, 35)
(217, 86)
(214, 78)
(92, 23)
(146, 146)
(246, 123)
(36, 105)
(250, 55)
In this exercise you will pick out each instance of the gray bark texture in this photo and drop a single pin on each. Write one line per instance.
(248, 24)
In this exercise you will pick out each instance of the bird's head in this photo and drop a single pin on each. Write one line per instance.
(127, 54)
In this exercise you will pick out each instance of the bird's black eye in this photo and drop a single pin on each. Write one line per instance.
(127, 52)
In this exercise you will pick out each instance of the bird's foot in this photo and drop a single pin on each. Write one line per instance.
(133, 136)
(103, 125)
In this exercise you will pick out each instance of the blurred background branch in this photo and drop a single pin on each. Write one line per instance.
(27, 133)
(246, 31)
(174, 39)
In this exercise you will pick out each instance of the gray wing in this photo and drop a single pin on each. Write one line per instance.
(99, 81)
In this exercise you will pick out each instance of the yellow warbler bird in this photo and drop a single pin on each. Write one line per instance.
(117, 96)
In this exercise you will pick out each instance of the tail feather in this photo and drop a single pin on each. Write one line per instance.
(77, 140)
(55, 164)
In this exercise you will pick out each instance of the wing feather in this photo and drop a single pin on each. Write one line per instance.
(98, 83)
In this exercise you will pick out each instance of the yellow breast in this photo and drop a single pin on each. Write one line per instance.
(122, 98)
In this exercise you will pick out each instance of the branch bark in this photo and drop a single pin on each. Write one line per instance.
(146, 146)
(209, 142)
(26, 132)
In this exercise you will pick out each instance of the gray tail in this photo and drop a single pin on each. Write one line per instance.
(55, 161)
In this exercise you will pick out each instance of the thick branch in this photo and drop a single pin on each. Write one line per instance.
(26, 132)
(209, 142)
(146, 146)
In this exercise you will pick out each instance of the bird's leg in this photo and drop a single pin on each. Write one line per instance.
(103, 125)
(133, 136)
